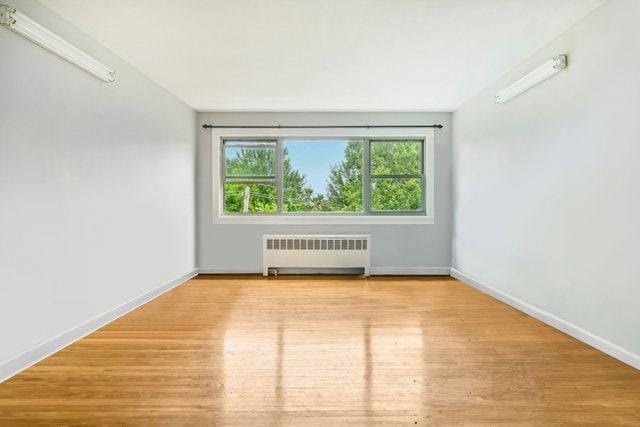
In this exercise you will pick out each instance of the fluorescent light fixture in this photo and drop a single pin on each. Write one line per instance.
(546, 70)
(22, 25)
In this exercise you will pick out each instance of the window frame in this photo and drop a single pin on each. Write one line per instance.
(370, 176)
(367, 216)
(258, 179)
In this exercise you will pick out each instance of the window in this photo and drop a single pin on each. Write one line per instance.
(323, 176)
(250, 177)
(396, 176)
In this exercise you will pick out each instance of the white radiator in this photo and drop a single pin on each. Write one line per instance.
(316, 251)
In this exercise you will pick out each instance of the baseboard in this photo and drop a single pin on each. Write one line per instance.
(32, 356)
(375, 271)
(229, 271)
(578, 333)
(410, 271)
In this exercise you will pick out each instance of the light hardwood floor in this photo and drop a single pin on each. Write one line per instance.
(245, 350)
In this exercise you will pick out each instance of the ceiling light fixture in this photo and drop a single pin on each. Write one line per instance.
(543, 72)
(22, 25)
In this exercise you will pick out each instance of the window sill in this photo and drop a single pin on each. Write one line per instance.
(324, 220)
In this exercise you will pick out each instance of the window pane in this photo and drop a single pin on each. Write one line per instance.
(323, 175)
(396, 157)
(396, 194)
(250, 158)
(260, 198)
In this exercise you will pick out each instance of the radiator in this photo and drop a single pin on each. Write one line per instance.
(316, 251)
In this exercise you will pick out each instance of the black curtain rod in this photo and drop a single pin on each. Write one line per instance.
(208, 126)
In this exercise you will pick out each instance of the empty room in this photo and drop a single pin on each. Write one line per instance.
(319, 212)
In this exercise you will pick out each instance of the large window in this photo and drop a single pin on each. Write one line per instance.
(339, 176)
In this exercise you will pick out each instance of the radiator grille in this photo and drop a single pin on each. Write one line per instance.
(317, 244)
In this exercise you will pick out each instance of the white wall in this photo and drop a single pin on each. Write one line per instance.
(234, 248)
(546, 187)
(96, 187)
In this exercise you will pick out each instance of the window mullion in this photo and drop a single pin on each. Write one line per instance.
(396, 176)
(366, 179)
(250, 181)
(280, 176)
(423, 187)
(223, 177)
(251, 178)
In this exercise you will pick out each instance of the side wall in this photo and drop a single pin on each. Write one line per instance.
(237, 248)
(96, 187)
(546, 187)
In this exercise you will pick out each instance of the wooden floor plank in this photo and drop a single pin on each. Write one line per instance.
(298, 350)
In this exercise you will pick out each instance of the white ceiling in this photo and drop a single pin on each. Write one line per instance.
(323, 55)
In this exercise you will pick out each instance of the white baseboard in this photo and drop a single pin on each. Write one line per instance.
(562, 325)
(32, 356)
(410, 271)
(229, 271)
(375, 271)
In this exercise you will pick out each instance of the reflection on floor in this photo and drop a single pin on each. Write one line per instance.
(324, 350)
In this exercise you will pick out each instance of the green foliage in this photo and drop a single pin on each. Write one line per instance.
(250, 162)
(344, 185)
(396, 158)
(244, 161)
(298, 197)
(388, 194)
(262, 197)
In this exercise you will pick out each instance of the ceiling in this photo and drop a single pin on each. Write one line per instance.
(323, 55)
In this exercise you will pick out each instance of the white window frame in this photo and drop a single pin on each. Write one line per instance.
(219, 217)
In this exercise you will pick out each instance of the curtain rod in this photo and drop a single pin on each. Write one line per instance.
(209, 126)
